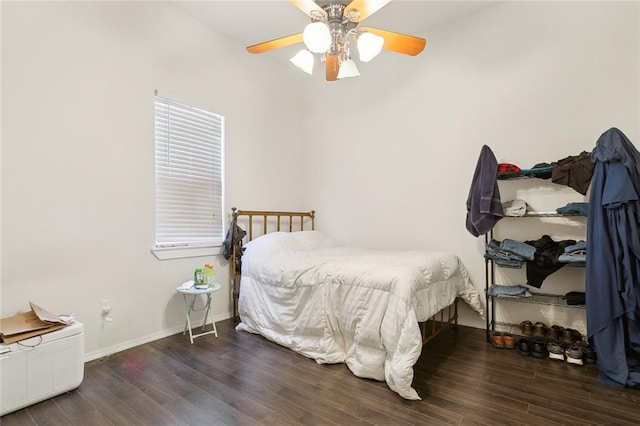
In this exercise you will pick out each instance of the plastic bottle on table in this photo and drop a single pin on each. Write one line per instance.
(208, 274)
(198, 277)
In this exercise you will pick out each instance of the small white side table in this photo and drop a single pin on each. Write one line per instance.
(190, 307)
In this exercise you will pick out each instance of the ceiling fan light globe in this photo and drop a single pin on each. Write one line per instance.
(348, 69)
(317, 37)
(369, 46)
(303, 60)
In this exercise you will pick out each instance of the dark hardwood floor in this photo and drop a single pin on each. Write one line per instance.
(244, 379)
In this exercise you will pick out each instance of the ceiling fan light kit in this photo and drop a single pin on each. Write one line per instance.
(369, 46)
(332, 31)
(317, 37)
(348, 69)
(304, 60)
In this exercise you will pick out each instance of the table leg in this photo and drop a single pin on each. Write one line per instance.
(206, 313)
(209, 314)
(188, 309)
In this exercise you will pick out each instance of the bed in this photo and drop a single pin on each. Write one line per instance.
(370, 309)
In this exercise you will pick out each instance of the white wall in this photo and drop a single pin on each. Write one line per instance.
(535, 81)
(78, 80)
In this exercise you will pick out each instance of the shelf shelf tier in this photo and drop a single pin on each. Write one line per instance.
(547, 214)
(541, 299)
(514, 329)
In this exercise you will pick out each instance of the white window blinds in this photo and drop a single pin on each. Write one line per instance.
(189, 175)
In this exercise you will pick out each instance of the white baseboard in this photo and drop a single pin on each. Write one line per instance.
(141, 341)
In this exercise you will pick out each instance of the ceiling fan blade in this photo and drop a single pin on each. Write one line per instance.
(333, 66)
(307, 6)
(401, 43)
(275, 44)
(365, 7)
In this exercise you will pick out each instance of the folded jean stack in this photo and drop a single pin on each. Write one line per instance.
(575, 254)
(555, 342)
(508, 291)
(509, 253)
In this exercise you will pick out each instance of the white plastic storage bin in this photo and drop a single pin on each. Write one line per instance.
(38, 368)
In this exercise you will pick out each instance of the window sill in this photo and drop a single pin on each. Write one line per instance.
(184, 252)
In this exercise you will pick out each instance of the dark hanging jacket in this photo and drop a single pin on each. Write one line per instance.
(613, 260)
(484, 206)
(234, 237)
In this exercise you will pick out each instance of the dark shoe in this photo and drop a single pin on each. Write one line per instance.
(524, 347)
(571, 336)
(539, 329)
(526, 328)
(590, 356)
(497, 340)
(575, 354)
(554, 333)
(509, 341)
(555, 351)
(539, 348)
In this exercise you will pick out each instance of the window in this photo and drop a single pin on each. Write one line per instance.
(189, 175)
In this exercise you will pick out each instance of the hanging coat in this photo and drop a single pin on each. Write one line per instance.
(484, 206)
(613, 260)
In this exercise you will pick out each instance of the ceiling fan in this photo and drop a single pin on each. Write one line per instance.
(332, 32)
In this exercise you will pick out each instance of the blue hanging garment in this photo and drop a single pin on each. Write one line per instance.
(613, 261)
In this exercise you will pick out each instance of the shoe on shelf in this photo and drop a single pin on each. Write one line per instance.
(523, 346)
(589, 355)
(497, 339)
(509, 341)
(555, 351)
(540, 329)
(539, 348)
(570, 336)
(526, 328)
(575, 354)
(554, 333)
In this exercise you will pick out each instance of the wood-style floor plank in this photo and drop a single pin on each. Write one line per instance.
(244, 379)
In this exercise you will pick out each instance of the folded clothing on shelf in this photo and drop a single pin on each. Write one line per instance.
(574, 208)
(540, 171)
(513, 291)
(546, 259)
(574, 171)
(575, 298)
(514, 208)
(509, 253)
(578, 246)
(507, 171)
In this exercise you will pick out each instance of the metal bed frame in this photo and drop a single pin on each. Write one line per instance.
(272, 221)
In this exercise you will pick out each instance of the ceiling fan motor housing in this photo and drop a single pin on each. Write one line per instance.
(340, 27)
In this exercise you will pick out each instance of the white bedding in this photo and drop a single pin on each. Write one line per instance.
(335, 304)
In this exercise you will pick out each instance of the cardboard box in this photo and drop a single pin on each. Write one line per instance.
(29, 324)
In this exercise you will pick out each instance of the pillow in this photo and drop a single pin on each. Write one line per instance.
(271, 243)
(314, 240)
(268, 245)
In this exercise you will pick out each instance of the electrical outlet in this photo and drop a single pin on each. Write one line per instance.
(106, 307)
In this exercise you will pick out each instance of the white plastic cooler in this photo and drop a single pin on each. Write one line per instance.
(38, 368)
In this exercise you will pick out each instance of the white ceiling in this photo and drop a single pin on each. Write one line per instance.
(254, 21)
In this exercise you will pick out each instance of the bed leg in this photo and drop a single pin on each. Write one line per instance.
(455, 314)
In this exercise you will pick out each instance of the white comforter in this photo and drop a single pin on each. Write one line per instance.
(338, 304)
